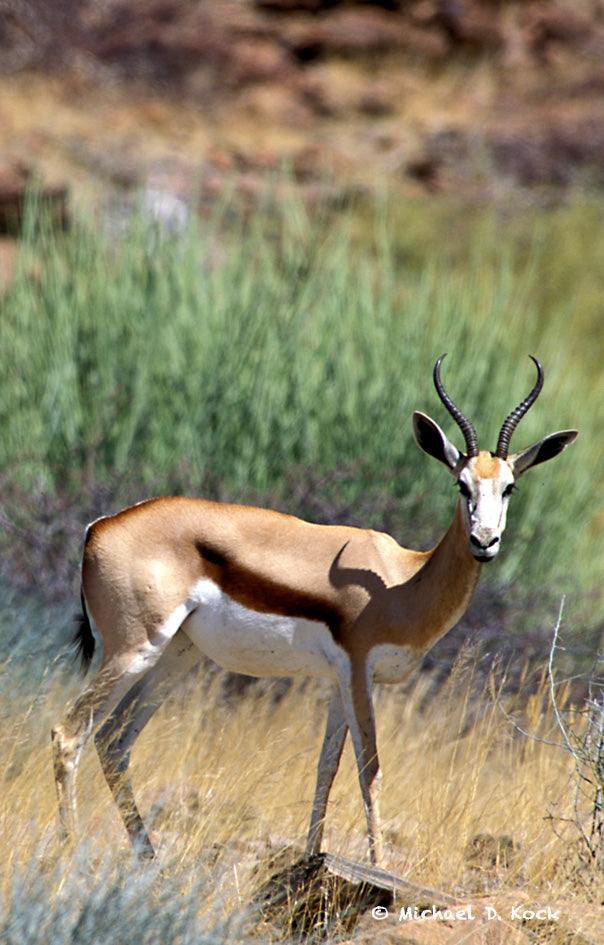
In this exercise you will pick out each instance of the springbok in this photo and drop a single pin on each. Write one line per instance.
(265, 594)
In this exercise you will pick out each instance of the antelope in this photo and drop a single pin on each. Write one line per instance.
(265, 594)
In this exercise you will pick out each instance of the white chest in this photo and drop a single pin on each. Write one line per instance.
(392, 664)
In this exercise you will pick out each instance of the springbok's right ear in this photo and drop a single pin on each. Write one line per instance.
(431, 439)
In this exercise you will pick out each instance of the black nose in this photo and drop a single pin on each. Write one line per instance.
(480, 546)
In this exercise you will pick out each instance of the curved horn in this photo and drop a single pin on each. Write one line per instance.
(512, 421)
(463, 423)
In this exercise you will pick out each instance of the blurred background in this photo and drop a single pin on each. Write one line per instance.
(477, 99)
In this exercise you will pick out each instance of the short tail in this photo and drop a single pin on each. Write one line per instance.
(83, 640)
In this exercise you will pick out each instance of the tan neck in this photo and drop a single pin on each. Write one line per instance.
(424, 606)
(453, 573)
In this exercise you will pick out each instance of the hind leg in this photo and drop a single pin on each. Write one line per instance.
(116, 677)
(115, 738)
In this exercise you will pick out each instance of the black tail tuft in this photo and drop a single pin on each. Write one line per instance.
(83, 640)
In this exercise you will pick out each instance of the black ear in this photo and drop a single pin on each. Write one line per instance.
(431, 439)
(540, 452)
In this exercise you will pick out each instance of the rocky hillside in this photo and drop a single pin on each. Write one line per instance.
(445, 95)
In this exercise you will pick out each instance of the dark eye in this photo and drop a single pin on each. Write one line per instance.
(464, 489)
(508, 490)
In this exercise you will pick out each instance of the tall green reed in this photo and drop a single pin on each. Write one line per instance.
(281, 345)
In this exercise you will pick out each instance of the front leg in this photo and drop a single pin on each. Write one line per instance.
(358, 705)
(329, 760)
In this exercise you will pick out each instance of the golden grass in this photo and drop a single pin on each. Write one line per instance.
(223, 783)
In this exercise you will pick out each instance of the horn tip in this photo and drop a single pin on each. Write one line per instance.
(537, 364)
(438, 364)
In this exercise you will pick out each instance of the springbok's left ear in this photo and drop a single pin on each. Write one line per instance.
(539, 452)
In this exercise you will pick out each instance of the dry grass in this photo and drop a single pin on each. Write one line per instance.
(225, 784)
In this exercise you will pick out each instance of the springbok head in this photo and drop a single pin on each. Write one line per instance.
(486, 480)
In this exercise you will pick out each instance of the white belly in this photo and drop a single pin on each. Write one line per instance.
(259, 644)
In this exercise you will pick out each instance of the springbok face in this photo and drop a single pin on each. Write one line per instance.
(486, 484)
(486, 480)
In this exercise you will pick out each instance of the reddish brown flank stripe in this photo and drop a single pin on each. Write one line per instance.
(266, 596)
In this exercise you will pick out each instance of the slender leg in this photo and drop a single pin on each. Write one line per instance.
(358, 706)
(119, 673)
(117, 735)
(69, 737)
(329, 760)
